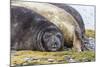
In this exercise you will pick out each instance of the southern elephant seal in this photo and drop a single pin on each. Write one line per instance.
(30, 31)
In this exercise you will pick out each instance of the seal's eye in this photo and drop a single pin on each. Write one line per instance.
(55, 43)
(47, 35)
(58, 36)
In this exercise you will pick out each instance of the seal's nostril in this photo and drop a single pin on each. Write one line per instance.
(55, 43)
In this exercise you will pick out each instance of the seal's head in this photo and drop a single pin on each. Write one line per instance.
(47, 36)
(52, 39)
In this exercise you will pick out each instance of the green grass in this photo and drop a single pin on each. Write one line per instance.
(55, 57)
(90, 33)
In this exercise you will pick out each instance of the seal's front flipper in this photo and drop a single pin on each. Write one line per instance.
(77, 43)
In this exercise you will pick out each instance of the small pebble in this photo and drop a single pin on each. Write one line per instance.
(91, 43)
(71, 60)
(25, 63)
(50, 60)
(26, 59)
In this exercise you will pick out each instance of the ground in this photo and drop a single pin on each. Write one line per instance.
(37, 57)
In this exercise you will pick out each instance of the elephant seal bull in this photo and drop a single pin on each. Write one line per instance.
(77, 17)
(30, 31)
(70, 27)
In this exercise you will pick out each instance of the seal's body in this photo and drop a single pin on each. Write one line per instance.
(74, 13)
(70, 27)
(30, 31)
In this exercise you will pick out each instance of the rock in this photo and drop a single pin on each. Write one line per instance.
(85, 60)
(28, 59)
(12, 65)
(90, 44)
(69, 59)
(51, 60)
(25, 63)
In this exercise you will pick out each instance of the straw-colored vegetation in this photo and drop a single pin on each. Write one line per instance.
(90, 33)
(37, 57)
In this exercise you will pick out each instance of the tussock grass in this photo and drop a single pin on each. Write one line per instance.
(90, 33)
